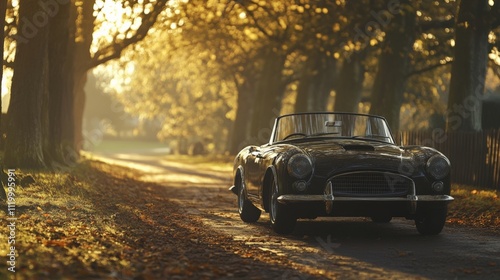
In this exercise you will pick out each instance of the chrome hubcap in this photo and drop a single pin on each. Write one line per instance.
(274, 201)
(241, 198)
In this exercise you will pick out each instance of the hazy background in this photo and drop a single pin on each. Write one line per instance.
(210, 76)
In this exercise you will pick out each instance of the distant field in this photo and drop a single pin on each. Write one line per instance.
(106, 147)
(123, 146)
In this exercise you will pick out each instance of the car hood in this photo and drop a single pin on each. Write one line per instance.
(343, 155)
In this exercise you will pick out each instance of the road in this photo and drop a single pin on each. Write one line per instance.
(329, 248)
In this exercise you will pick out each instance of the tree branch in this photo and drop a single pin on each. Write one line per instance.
(114, 50)
(426, 26)
(428, 68)
(256, 23)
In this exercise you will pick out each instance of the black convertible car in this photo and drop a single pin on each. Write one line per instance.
(339, 164)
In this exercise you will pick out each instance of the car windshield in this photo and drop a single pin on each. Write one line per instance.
(299, 126)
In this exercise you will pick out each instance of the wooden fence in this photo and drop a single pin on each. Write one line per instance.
(474, 156)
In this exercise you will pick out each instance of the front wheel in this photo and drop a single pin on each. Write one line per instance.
(282, 219)
(248, 212)
(431, 221)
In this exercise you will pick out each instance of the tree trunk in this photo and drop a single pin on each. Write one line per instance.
(269, 93)
(388, 87)
(304, 89)
(70, 151)
(239, 134)
(324, 80)
(350, 84)
(468, 71)
(29, 86)
(315, 84)
(80, 78)
(302, 103)
(3, 12)
(60, 82)
(82, 64)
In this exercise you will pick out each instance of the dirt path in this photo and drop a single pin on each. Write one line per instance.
(344, 248)
(174, 236)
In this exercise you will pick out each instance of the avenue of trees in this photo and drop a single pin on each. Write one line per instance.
(219, 71)
(50, 47)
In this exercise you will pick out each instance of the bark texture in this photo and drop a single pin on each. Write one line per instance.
(239, 134)
(60, 85)
(316, 82)
(350, 84)
(468, 71)
(269, 93)
(24, 145)
(388, 87)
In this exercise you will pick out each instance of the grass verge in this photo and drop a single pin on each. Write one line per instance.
(474, 207)
(60, 228)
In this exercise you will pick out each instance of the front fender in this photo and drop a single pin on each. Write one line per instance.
(239, 175)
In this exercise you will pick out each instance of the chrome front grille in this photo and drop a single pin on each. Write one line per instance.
(371, 184)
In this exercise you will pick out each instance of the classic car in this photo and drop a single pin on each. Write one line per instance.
(340, 165)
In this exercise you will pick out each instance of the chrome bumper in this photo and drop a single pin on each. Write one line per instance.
(328, 198)
(297, 198)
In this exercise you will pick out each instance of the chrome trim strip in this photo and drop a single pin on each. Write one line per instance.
(414, 199)
(370, 171)
(435, 198)
(293, 198)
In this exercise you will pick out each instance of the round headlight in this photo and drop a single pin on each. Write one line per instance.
(438, 166)
(299, 166)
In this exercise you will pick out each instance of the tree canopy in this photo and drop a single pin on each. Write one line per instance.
(218, 72)
(272, 57)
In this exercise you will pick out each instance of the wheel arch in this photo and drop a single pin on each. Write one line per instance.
(239, 177)
(267, 185)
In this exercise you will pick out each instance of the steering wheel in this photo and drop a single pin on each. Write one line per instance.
(295, 134)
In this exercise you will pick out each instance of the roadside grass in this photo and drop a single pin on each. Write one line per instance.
(58, 228)
(474, 207)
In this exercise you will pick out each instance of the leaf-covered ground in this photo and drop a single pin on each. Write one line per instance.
(97, 222)
(474, 207)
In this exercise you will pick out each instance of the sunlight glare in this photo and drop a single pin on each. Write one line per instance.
(113, 18)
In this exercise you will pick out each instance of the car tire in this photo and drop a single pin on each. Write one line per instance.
(381, 219)
(282, 219)
(248, 212)
(431, 220)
